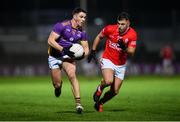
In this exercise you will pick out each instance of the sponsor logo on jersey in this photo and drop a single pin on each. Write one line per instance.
(114, 45)
(126, 40)
(71, 39)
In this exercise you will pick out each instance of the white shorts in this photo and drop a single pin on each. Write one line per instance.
(54, 63)
(118, 69)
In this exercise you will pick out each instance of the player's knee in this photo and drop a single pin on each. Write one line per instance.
(107, 82)
(72, 76)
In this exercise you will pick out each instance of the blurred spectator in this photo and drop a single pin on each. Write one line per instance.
(167, 56)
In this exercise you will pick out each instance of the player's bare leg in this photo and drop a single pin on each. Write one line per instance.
(70, 70)
(56, 81)
(108, 75)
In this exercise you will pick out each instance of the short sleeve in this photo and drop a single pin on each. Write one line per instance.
(58, 28)
(106, 30)
(84, 35)
(133, 39)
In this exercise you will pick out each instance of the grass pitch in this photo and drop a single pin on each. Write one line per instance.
(144, 98)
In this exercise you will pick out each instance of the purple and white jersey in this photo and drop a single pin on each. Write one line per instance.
(68, 36)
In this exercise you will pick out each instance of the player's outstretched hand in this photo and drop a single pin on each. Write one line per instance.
(68, 52)
(91, 56)
(122, 45)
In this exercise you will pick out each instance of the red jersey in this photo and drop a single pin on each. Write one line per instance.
(167, 52)
(112, 51)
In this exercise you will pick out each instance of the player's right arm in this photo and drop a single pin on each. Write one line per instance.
(55, 34)
(104, 33)
(52, 41)
(97, 40)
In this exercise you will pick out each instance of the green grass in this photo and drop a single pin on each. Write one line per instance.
(141, 98)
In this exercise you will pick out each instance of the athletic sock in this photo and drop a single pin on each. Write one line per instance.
(107, 96)
(78, 101)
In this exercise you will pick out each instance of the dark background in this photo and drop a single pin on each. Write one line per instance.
(151, 13)
(26, 24)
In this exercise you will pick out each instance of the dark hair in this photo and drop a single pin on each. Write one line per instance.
(123, 15)
(78, 10)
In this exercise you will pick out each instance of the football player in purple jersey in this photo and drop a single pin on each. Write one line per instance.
(61, 38)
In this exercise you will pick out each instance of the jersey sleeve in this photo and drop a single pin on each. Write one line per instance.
(58, 28)
(84, 36)
(133, 39)
(106, 31)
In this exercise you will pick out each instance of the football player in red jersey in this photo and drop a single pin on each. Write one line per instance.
(167, 55)
(121, 42)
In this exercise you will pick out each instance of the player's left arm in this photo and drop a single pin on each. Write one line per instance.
(85, 45)
(131, 50)
(131, 47)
